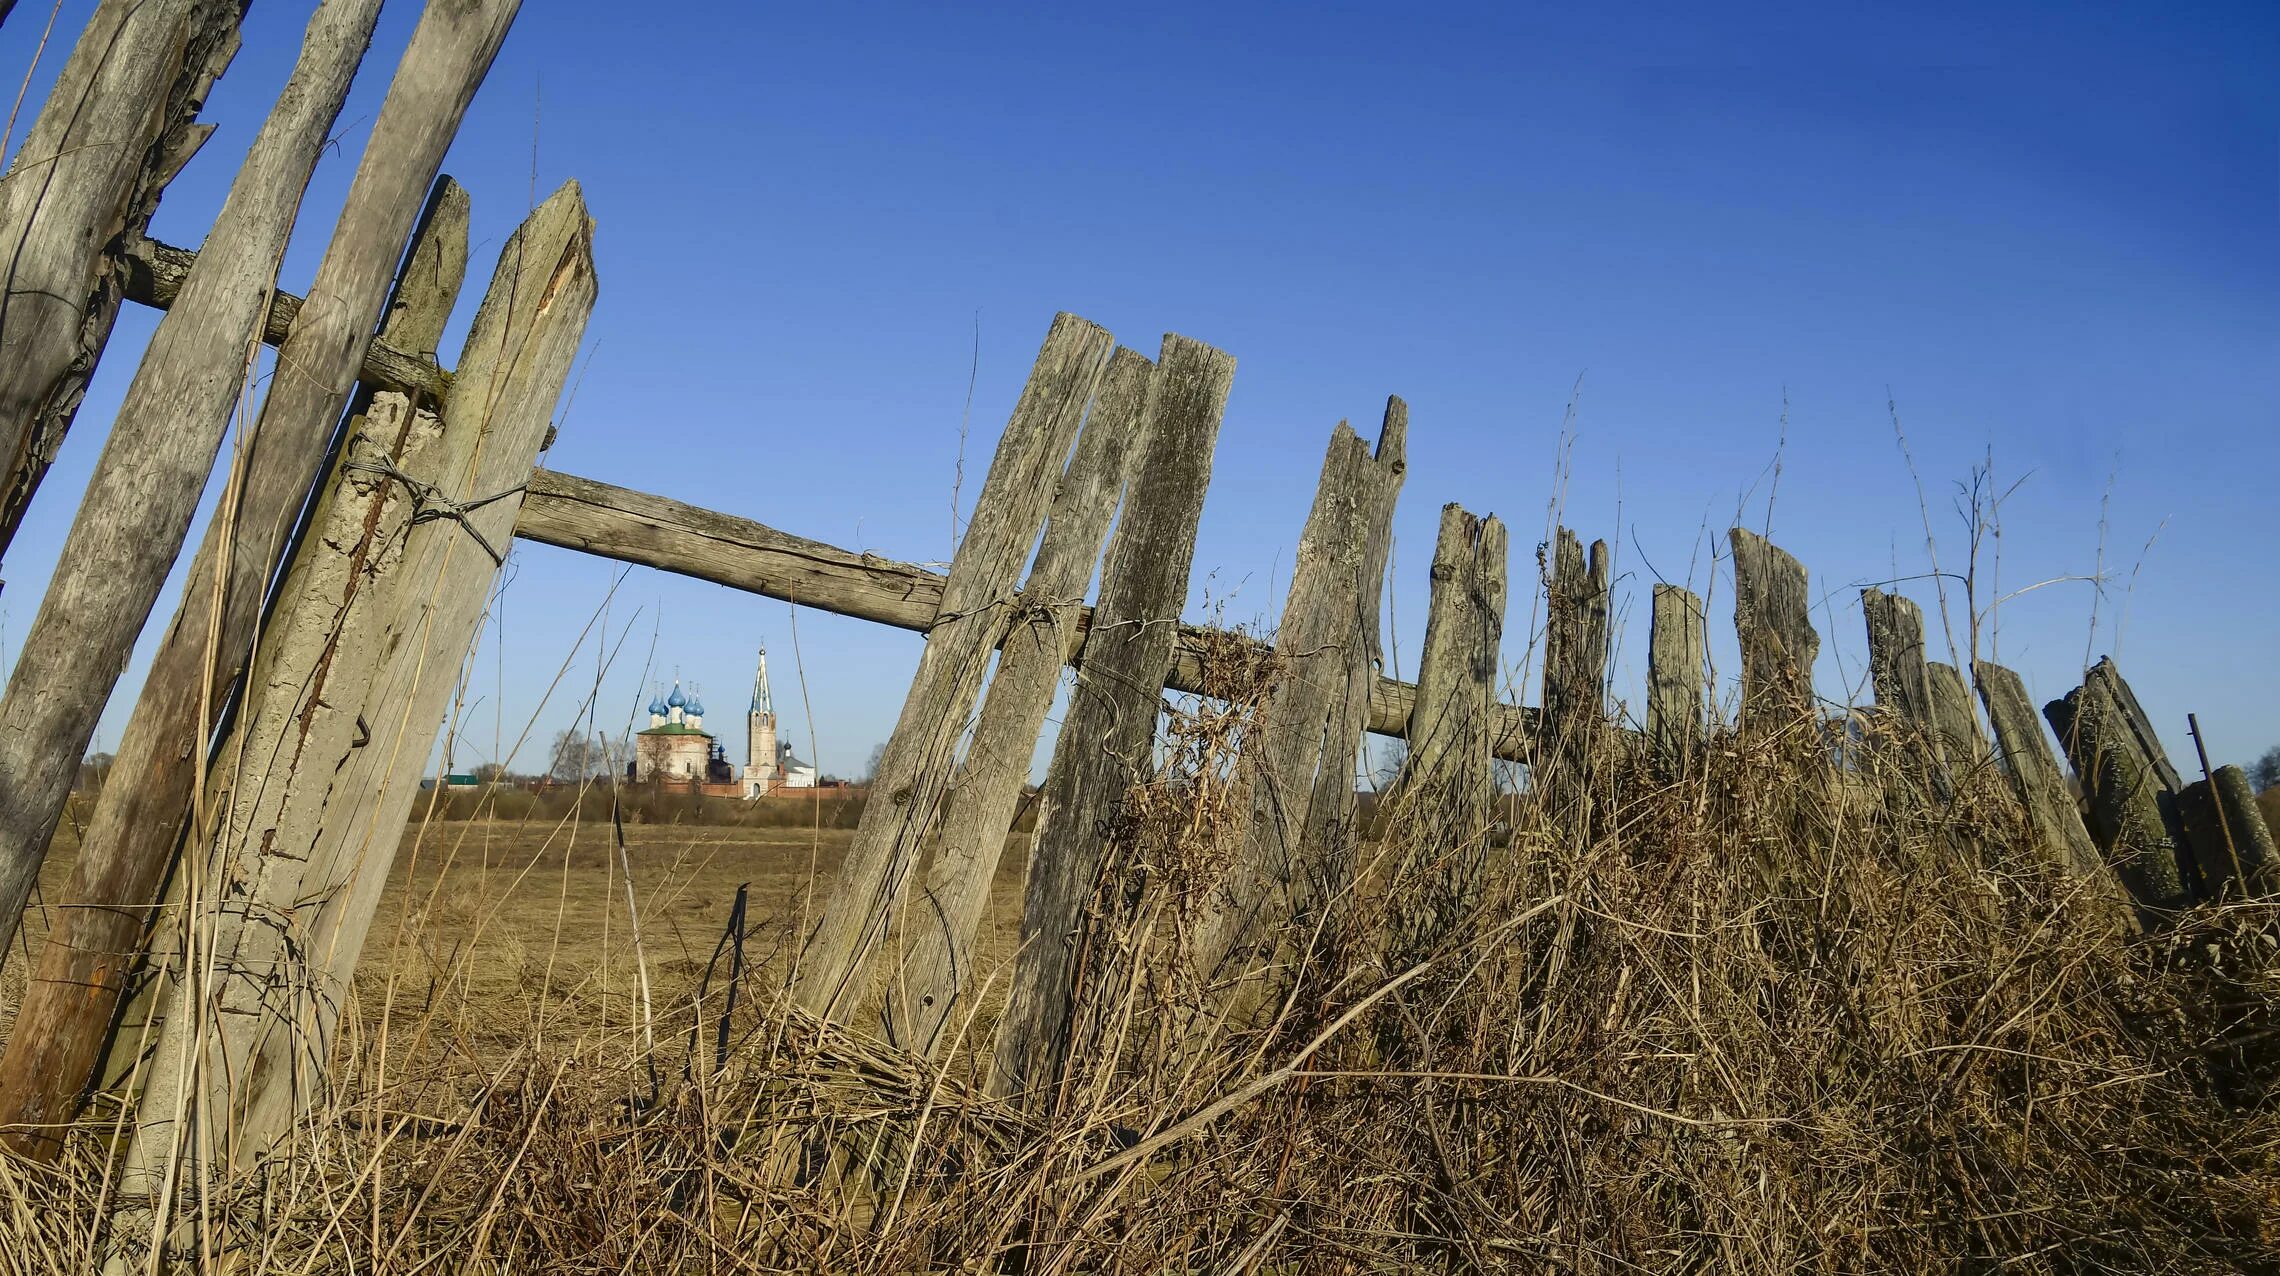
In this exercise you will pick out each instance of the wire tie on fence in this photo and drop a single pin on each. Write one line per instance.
(429, 504)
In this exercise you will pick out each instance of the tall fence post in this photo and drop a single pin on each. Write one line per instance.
(1438, 810)
(118, 125)
(1677, 678)
(1283, 868)
(1575, 660)
(1108, 737)
(914, 771)
(1331, 808)
(928, 989)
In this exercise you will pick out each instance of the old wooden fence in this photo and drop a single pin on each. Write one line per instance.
(220, 898)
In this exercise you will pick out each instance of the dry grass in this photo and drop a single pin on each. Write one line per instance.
(1752, 1018)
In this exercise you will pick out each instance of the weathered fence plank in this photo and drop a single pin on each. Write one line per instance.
(1283, 868)
(1439, 806)
(2231, 842)
(129, 844)
(1577, 596)
(1963, 745)
(655, 531)
(118, 124)
(1108, 737)
(237, 946)
(2124, 794)
(510, 375)
(928, 991)
(1331, 808)
(1678, 683)
(2035, 776)
(914, 770)
(1896, 665)
(1771, 618)
(131, 523)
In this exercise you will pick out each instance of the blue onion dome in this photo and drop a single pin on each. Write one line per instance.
(696, 707)
(676, 700)
(657, 706)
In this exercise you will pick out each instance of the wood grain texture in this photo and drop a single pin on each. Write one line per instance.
(915, 768)
(1678, 681)
(2130, 813)
(2026, 757)
(925, 996)
(1577, 596)
(1772, 621)
(153, 467)
(119, 122)
(1963, 745)
(1107, 739)
(131, 840)
(1284, 867)
(2231, 842)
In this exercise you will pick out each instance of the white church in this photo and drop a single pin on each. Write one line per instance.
(677, 752)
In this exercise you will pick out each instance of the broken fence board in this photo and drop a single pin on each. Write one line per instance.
(1772, 621)
(2131, 814)
(1678, 680)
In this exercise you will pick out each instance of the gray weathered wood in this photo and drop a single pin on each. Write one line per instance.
(2026, 756)
(915, 768)
(1778, 644)
(1575, 654)
(1896, 665)
(130, 842)
(298, 724)
(1437, 812)
(1331, 808)
(146, 484)
(118, 124)
(1678, 681)
(1963, 745)
(927, 994)
(2231, 842)
(510, 375)
(2141, 732)
(1108, 737)
(613, 522)
(1283, 868)
(155, 273)
(2131, 814)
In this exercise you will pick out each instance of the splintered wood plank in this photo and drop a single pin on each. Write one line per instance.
(1331, 814)
(1439, 806)
(119, 123)
(1284, 868)
(977, 609)
(154, 464)
(928, 994)
(1963, 744)
(1771, 618)
(1107, 741)
(1678, 683)
(1896, 665)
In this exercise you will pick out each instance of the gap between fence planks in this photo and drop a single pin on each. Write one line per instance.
(976, 613)
(139, 502)
(924, 994)
(117, 126)
(1108, 736)
(130, 843)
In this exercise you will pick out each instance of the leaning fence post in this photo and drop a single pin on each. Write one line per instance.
(2039, 783)
(2231, 841)
(1107, 740)
(939, 967)
(1283, 867)
(118, 125)
(1962, 744)
(1677, 681)
(914, 771)
(510, 375)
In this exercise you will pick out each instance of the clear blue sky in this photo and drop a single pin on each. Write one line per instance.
(2047, 232)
